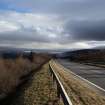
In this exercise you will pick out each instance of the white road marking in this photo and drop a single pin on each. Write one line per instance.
(82, 78)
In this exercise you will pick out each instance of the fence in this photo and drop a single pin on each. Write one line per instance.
(60, 89)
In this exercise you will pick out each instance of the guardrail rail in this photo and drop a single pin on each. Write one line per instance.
(61, 92)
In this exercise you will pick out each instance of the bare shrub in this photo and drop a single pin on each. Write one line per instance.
(11, 70)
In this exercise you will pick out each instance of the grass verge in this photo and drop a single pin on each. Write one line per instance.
(39, 90)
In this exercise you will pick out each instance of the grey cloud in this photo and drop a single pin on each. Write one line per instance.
(86, 20)
(25, 35)
(86, 30)
(82, 8)
(30, 35)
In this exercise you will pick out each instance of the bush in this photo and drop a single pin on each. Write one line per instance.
(11, 70)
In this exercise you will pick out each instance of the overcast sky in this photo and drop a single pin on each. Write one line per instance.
(52, 24)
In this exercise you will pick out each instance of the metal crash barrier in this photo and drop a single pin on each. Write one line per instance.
(60, 89)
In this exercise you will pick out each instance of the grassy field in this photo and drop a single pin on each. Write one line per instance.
(79, 92)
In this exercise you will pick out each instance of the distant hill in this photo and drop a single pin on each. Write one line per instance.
(12, 53)
(52, 51)
(87, 55)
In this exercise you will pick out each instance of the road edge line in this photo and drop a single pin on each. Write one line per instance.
(96, 86)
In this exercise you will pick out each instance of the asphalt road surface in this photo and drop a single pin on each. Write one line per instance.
(94, 74)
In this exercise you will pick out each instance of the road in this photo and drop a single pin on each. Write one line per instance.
(94, 74)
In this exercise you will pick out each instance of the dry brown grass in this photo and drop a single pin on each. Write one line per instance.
(11, 72)
(79, 92)
(41, 91)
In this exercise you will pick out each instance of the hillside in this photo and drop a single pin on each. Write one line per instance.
(87, 55)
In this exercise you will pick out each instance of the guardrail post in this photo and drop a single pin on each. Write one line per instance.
(58, 91)
(50, 70)
(52, 75)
